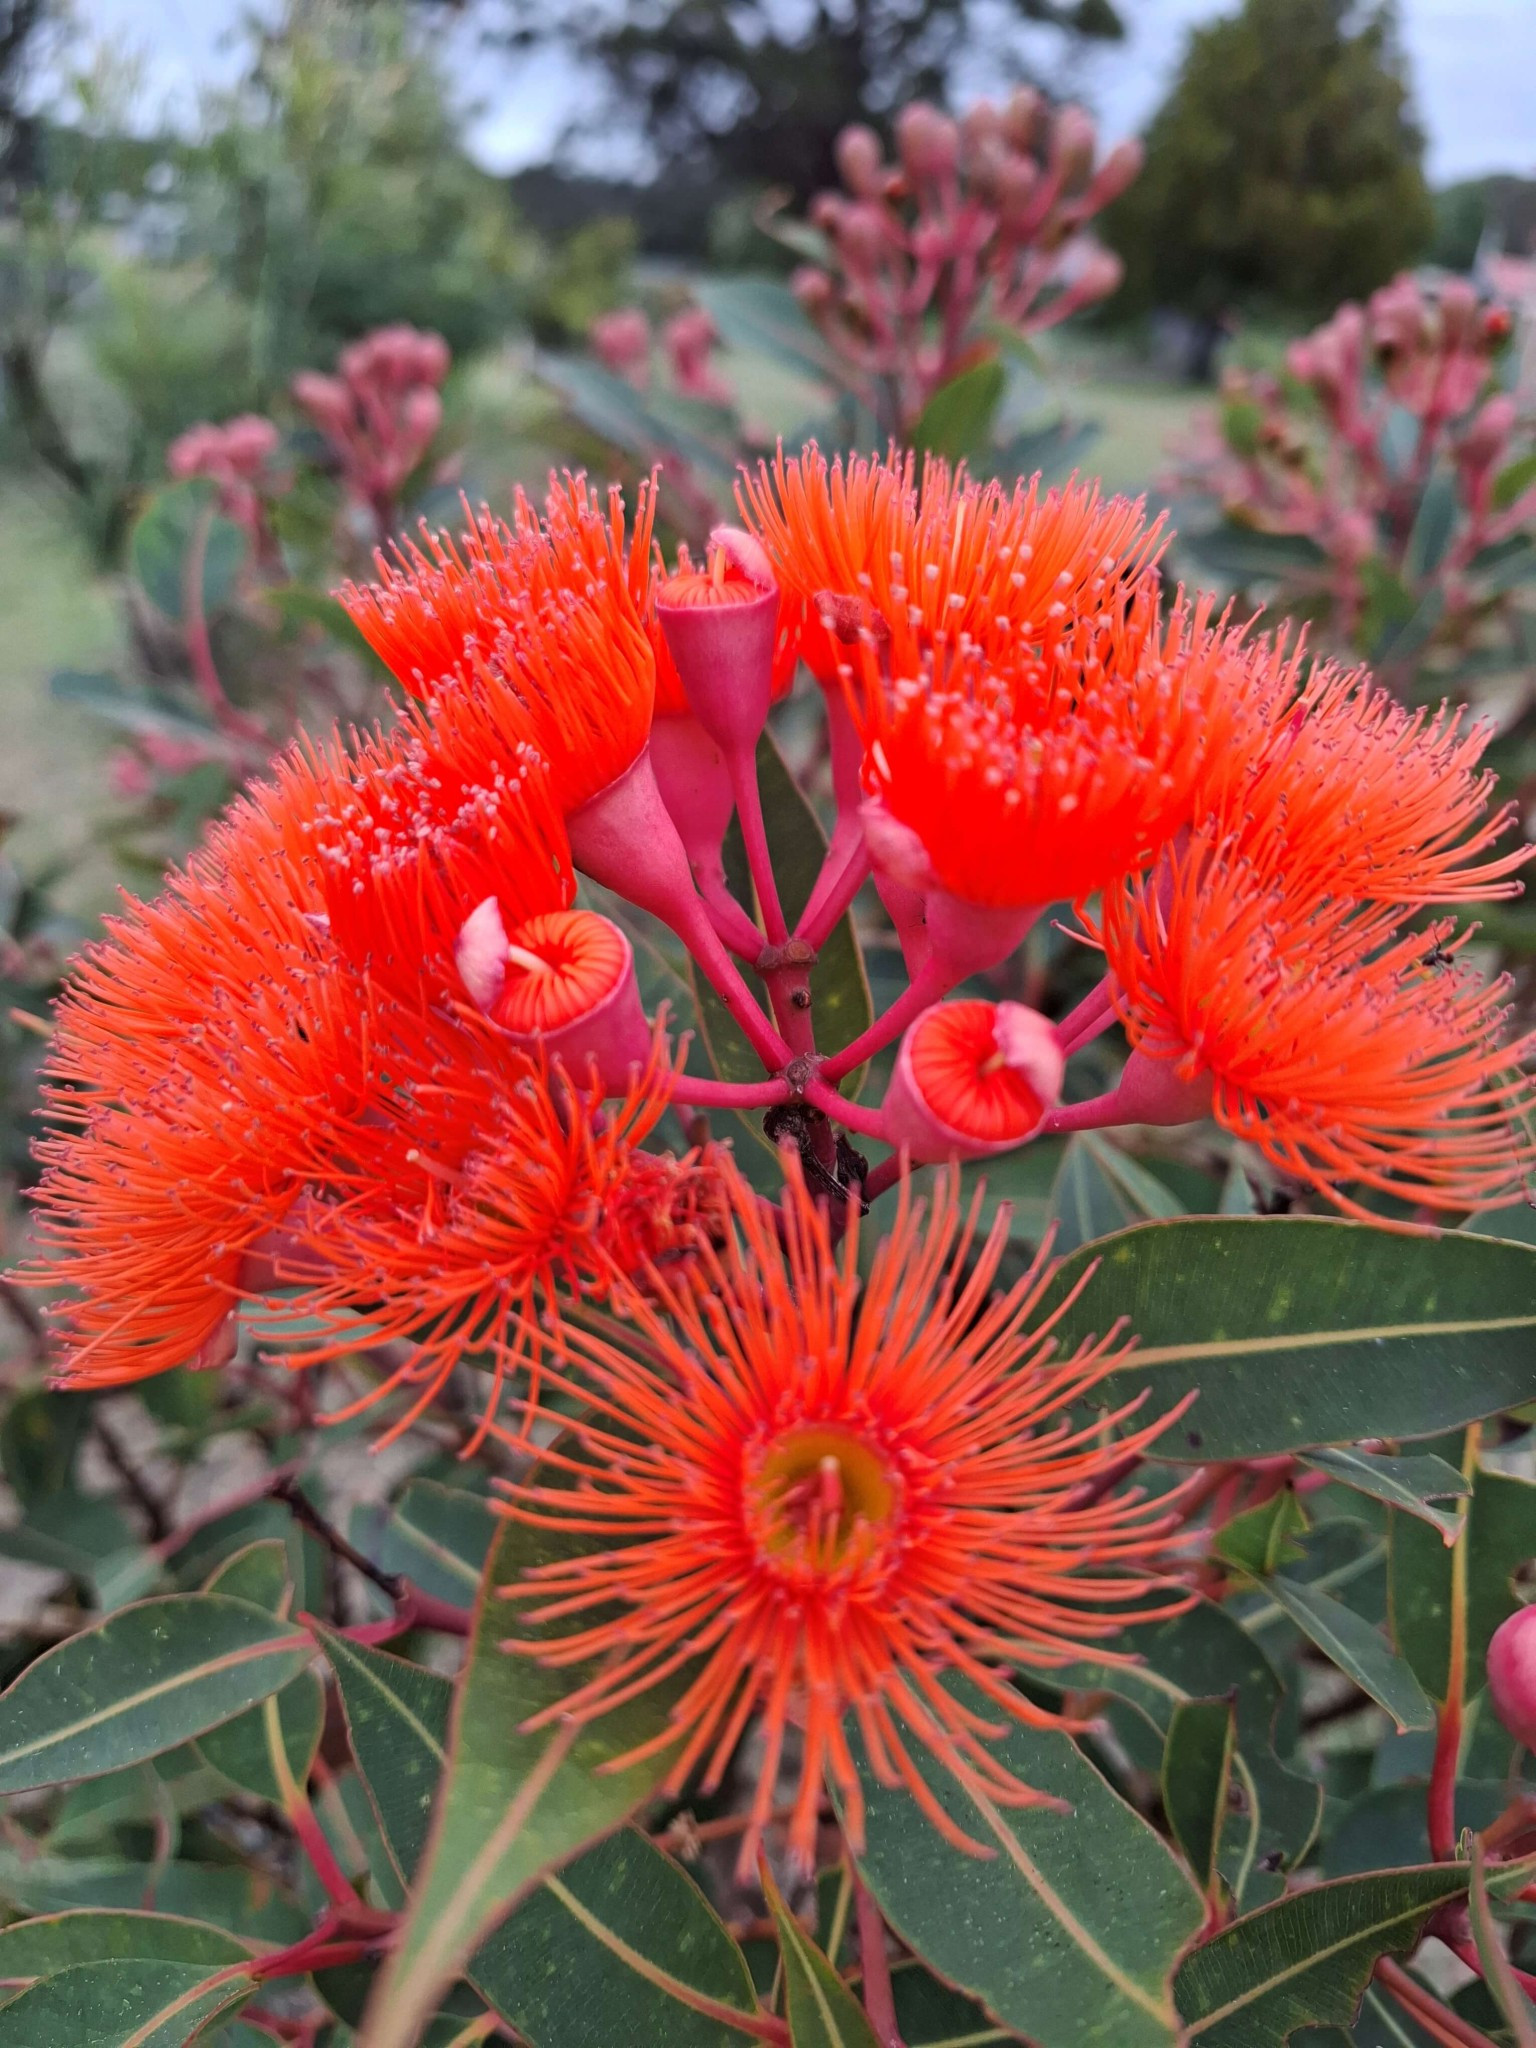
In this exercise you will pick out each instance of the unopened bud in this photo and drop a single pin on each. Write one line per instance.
(860, 161)
(421, 414)
(250, 442)
(862, 237)
(1017, 181)
(1118, 172)
(722, 628)
(1073, 138)
(326, 400)
(1488, 436)
(813, 288)
(927, 142)
(434, 358)
(621, 341)
(1021, 117)
(1512, 1675)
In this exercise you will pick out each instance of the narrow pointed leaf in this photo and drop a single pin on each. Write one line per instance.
(437, 1537)
(54, 1941)
(1501, 1539)
(1071, 1931)
(1498, 1973)
(1356, 1647)
(1298, 1331)
(289, 1724)
(121, 2004)
(1306, 1960)
(608, 1946)
(1407, 1483)
(140, 1683)
(1098, 1190)
(243, 1900)
(1197, 1775)
(957, 421)
(929, 2014)
(823, 2012)
(513, 1804)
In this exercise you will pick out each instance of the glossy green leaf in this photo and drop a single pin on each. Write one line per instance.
(1070, 1932)
(761, 314)
(39, 1436)
(437, 1537)
(1407, 1483)
(822, 2011)
(1242, 554)
(1306, 1960)
(957, 420)
(1388, 1825)
(181, 543)
(128, 2003)
(1358, 1649)
(289, 1724)
(929, 2014)
(233, 1896)
(30, 1949)
(1301, 1331)
(1201, 1654)
(1197, 1776)
(1500, 1539)
(1498, 1972)
(839, 988)
(589, 1955)
(1433, 525)
(139, 1684)
(1099, 1189)
(620, 1945)
(147, 714)
(513, 1804)
(1265, 1537)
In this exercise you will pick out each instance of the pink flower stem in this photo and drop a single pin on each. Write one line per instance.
(832, 895)
(749, 809)
(698, 934)
(885, 1176)
(727, 916)
(928, 985)
(1094, 1115)
(1095, 1013)
(870, 1123)
(879, 2002)
(703, 1094)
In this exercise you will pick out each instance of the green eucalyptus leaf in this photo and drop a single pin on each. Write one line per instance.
(1498, 1971)
(1197, 1777)
(1306, 1960)
(1433, 525)
(31, 1949)
(823, 2012)
(1099, 1189)
(929, 2014)
(1206, 1653)
(39, 1436)
(129, 2002)
(1500, 1538)
(231, 1895)
(1071, 1931)
(437, 1537)
(514, 1803)
(1242, 554)
(1407, 1483)
(1388, 1825)
(1298, 1331)
(1264, 1537)
(181, 524)
(1358, 1649)
(589, 1956)
(957, 421)
(762, 315)
(139, 1684)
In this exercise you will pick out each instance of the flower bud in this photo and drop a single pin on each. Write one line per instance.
(421, 414)
(1021, 117)
(722, 628)
(863, 237)
(621, 341)
(1512, 1675)
(1488, 436)
(981, 132)
(1119, 170)
(972, 1078)
(1015, 185)
(813, 288)
(564, 984)
(860, 161)
(434, 358)
(1073, 136)
(327, 401)
(928, 143)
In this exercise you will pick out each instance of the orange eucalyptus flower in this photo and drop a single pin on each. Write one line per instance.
(827, 1496)
(1037, 780)
(1343, 1047)
(955, 562)
(270, 1075)
(545, 618)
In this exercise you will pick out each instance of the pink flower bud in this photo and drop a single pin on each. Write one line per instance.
(861, 162)
(721, 628)
(826, 212)
(1488, 436)
(863, 237)
(194, 452)
(1015, 184)
(928, 143)
(1512, 1675)
(327, 401)
(128, 774)
(1458, 312)
(1021, 117)
(1073, 138)
(421, 414)
(1119, 170)
(981, 131)
(250, 442)
(621, 341)
(813, 288)
(434, 358)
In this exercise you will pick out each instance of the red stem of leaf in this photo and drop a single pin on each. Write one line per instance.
(879, 2001)
(1447, 2027)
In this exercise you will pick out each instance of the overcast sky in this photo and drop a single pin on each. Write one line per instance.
(1473, 63)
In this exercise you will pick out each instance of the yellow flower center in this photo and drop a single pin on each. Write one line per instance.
(817, 1487)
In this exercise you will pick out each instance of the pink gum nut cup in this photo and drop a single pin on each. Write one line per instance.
(972, 1079)
(564, 986)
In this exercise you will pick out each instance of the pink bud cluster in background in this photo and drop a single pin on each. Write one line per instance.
(980, 219)
(1377, 402)
(622, 343)
(237, 456)
(380, 412)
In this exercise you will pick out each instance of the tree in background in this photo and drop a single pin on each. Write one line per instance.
(748, 92)
(1284, 166)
